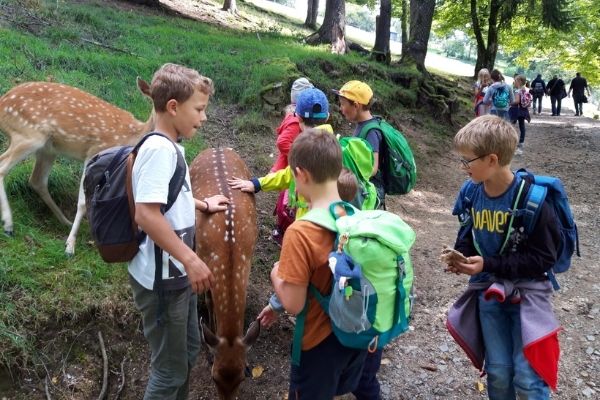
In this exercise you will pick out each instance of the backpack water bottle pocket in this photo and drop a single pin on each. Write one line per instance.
(349, 307)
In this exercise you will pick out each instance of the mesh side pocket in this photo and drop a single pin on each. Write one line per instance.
(350, 314)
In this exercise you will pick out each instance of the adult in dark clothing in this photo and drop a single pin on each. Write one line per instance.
(556, 91)
(538, 87)
(579, 86)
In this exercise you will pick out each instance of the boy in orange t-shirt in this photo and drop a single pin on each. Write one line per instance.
(327, 368)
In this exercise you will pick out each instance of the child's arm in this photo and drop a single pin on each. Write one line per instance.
(292, 296)
(212, 204)
(153, 222)
(537, 257)
(278, 180)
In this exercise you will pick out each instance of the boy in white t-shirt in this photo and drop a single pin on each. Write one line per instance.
(166, 274)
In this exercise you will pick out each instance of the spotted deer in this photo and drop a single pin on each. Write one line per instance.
(48, 119)
(225, 241)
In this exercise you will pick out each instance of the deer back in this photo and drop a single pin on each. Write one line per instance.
(73, 122)
(225, 240)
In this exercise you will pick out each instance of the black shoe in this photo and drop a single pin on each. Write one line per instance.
(553, 115)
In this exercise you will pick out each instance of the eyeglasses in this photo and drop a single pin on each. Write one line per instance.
(466, 163)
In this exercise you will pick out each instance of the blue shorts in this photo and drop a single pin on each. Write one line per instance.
(327, 370)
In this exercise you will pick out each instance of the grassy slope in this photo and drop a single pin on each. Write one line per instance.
(38, 285)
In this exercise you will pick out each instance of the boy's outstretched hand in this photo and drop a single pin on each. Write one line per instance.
(459, 264)
(217, 203)
(242, 184)
(267, 316)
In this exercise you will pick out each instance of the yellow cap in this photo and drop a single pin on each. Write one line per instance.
(356, 91)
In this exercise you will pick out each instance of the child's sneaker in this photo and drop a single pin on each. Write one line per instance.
(277, 237)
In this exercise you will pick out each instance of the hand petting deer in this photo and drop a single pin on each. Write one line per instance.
(225, 241)
(51, 119)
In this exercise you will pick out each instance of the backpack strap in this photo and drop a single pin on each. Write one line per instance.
(374, 124)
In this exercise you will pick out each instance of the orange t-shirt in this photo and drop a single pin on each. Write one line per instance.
(304, 259)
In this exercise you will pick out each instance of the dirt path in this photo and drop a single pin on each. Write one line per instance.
(566, 147)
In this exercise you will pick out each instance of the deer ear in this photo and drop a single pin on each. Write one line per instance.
(209, 338)
(143, 86)
(251, 334)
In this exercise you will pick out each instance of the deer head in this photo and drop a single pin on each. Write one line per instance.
(229, 366)
(225, 241)
(49, 119)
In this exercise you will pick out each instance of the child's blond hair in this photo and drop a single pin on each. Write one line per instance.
(347, 185)
(173, 81)
(522, 79)
(317, 152)
(488, 134)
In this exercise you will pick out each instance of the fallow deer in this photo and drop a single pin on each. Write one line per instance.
(225, 241)
(49, 119)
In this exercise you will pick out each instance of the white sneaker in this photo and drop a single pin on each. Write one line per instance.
(519, 151)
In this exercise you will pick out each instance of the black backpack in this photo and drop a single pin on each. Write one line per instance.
(109, 200)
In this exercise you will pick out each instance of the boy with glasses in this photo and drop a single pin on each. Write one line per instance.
(508, 300)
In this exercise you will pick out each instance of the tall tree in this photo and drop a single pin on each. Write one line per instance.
(404, 22)
(489, 19)
(421, 18)
(333, 29)
(230, 5)
(381, 50)
(311, 14)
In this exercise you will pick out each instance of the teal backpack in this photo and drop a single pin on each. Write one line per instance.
(501, 97)
(371, 296)
(398, 163)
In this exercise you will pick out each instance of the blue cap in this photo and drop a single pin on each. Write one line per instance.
(312, 103)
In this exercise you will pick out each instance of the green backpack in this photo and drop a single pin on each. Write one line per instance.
(371, 297)
(398, 163)
(357, 156)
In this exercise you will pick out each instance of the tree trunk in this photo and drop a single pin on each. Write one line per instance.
(486, 55)
(421, 17)
(381, 50)
(404, 23)
(333, 30)
(311, 14)
(230, 5)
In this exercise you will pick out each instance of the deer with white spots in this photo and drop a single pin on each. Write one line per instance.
(51, 119)
(225, 241)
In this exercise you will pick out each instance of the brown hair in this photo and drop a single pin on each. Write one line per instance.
(497, 76)
(347, 185)
(488, 134)
(319, 153)
(173, 81)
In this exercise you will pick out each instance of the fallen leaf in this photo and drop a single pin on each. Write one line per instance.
(429, 367)
(480, 386)
(385, 361)
(54, 380)
(257, 371)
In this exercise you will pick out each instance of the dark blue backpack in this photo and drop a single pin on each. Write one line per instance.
(550, 189)
(538, 188)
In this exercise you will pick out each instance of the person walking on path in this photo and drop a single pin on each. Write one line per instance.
(499, 95)
(539, 88)
(579, 86)
(481, 86)
(556, 91)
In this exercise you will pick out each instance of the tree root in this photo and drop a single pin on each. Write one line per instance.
(105, 368)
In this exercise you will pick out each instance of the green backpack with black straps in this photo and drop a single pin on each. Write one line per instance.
(371, 297)
(397, 162)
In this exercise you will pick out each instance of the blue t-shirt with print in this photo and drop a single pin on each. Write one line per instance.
(490, 217)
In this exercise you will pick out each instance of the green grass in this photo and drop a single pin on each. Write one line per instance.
(38, 284)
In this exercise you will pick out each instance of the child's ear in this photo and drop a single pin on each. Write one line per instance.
(171, 106)
(301, 175)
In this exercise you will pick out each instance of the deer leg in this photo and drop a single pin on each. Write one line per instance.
(17, 151)
(39, 181)
(70, 245)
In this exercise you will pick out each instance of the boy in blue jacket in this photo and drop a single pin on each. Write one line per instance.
(505, 316)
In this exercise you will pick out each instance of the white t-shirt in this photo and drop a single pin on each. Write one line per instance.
(153, 168)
